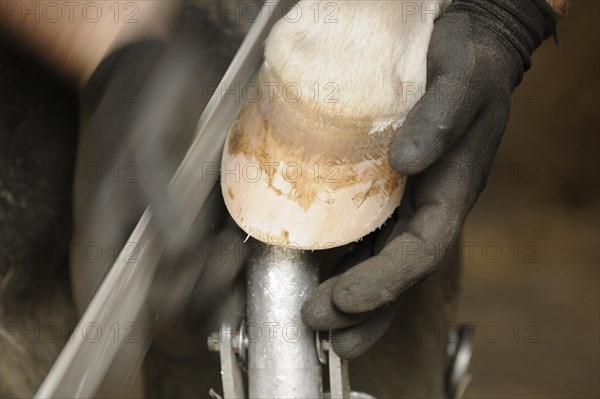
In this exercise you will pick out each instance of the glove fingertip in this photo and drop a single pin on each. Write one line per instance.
(347, 344)
(353, 342)
(317, 310)
(415, 148)
(404, 153)
(309, 314)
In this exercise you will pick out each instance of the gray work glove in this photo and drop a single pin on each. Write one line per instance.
(146, 101)
(478, 53)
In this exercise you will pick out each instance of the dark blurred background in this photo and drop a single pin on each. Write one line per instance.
(530, 246)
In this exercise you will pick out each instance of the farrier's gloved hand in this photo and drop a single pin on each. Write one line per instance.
(146, 100)
(477, 55)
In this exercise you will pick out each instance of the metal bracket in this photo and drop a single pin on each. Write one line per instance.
(339, 382)
(339, 378)
(229, 344)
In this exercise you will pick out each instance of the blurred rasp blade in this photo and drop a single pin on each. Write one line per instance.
(82, 364)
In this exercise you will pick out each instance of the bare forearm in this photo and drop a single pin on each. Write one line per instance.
(559, 6)
(74, 37)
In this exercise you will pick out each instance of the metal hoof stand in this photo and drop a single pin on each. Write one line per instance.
(282, 356)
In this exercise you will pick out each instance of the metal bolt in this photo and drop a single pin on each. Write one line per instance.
(239, 342)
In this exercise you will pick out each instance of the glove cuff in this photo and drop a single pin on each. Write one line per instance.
(521, 24)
